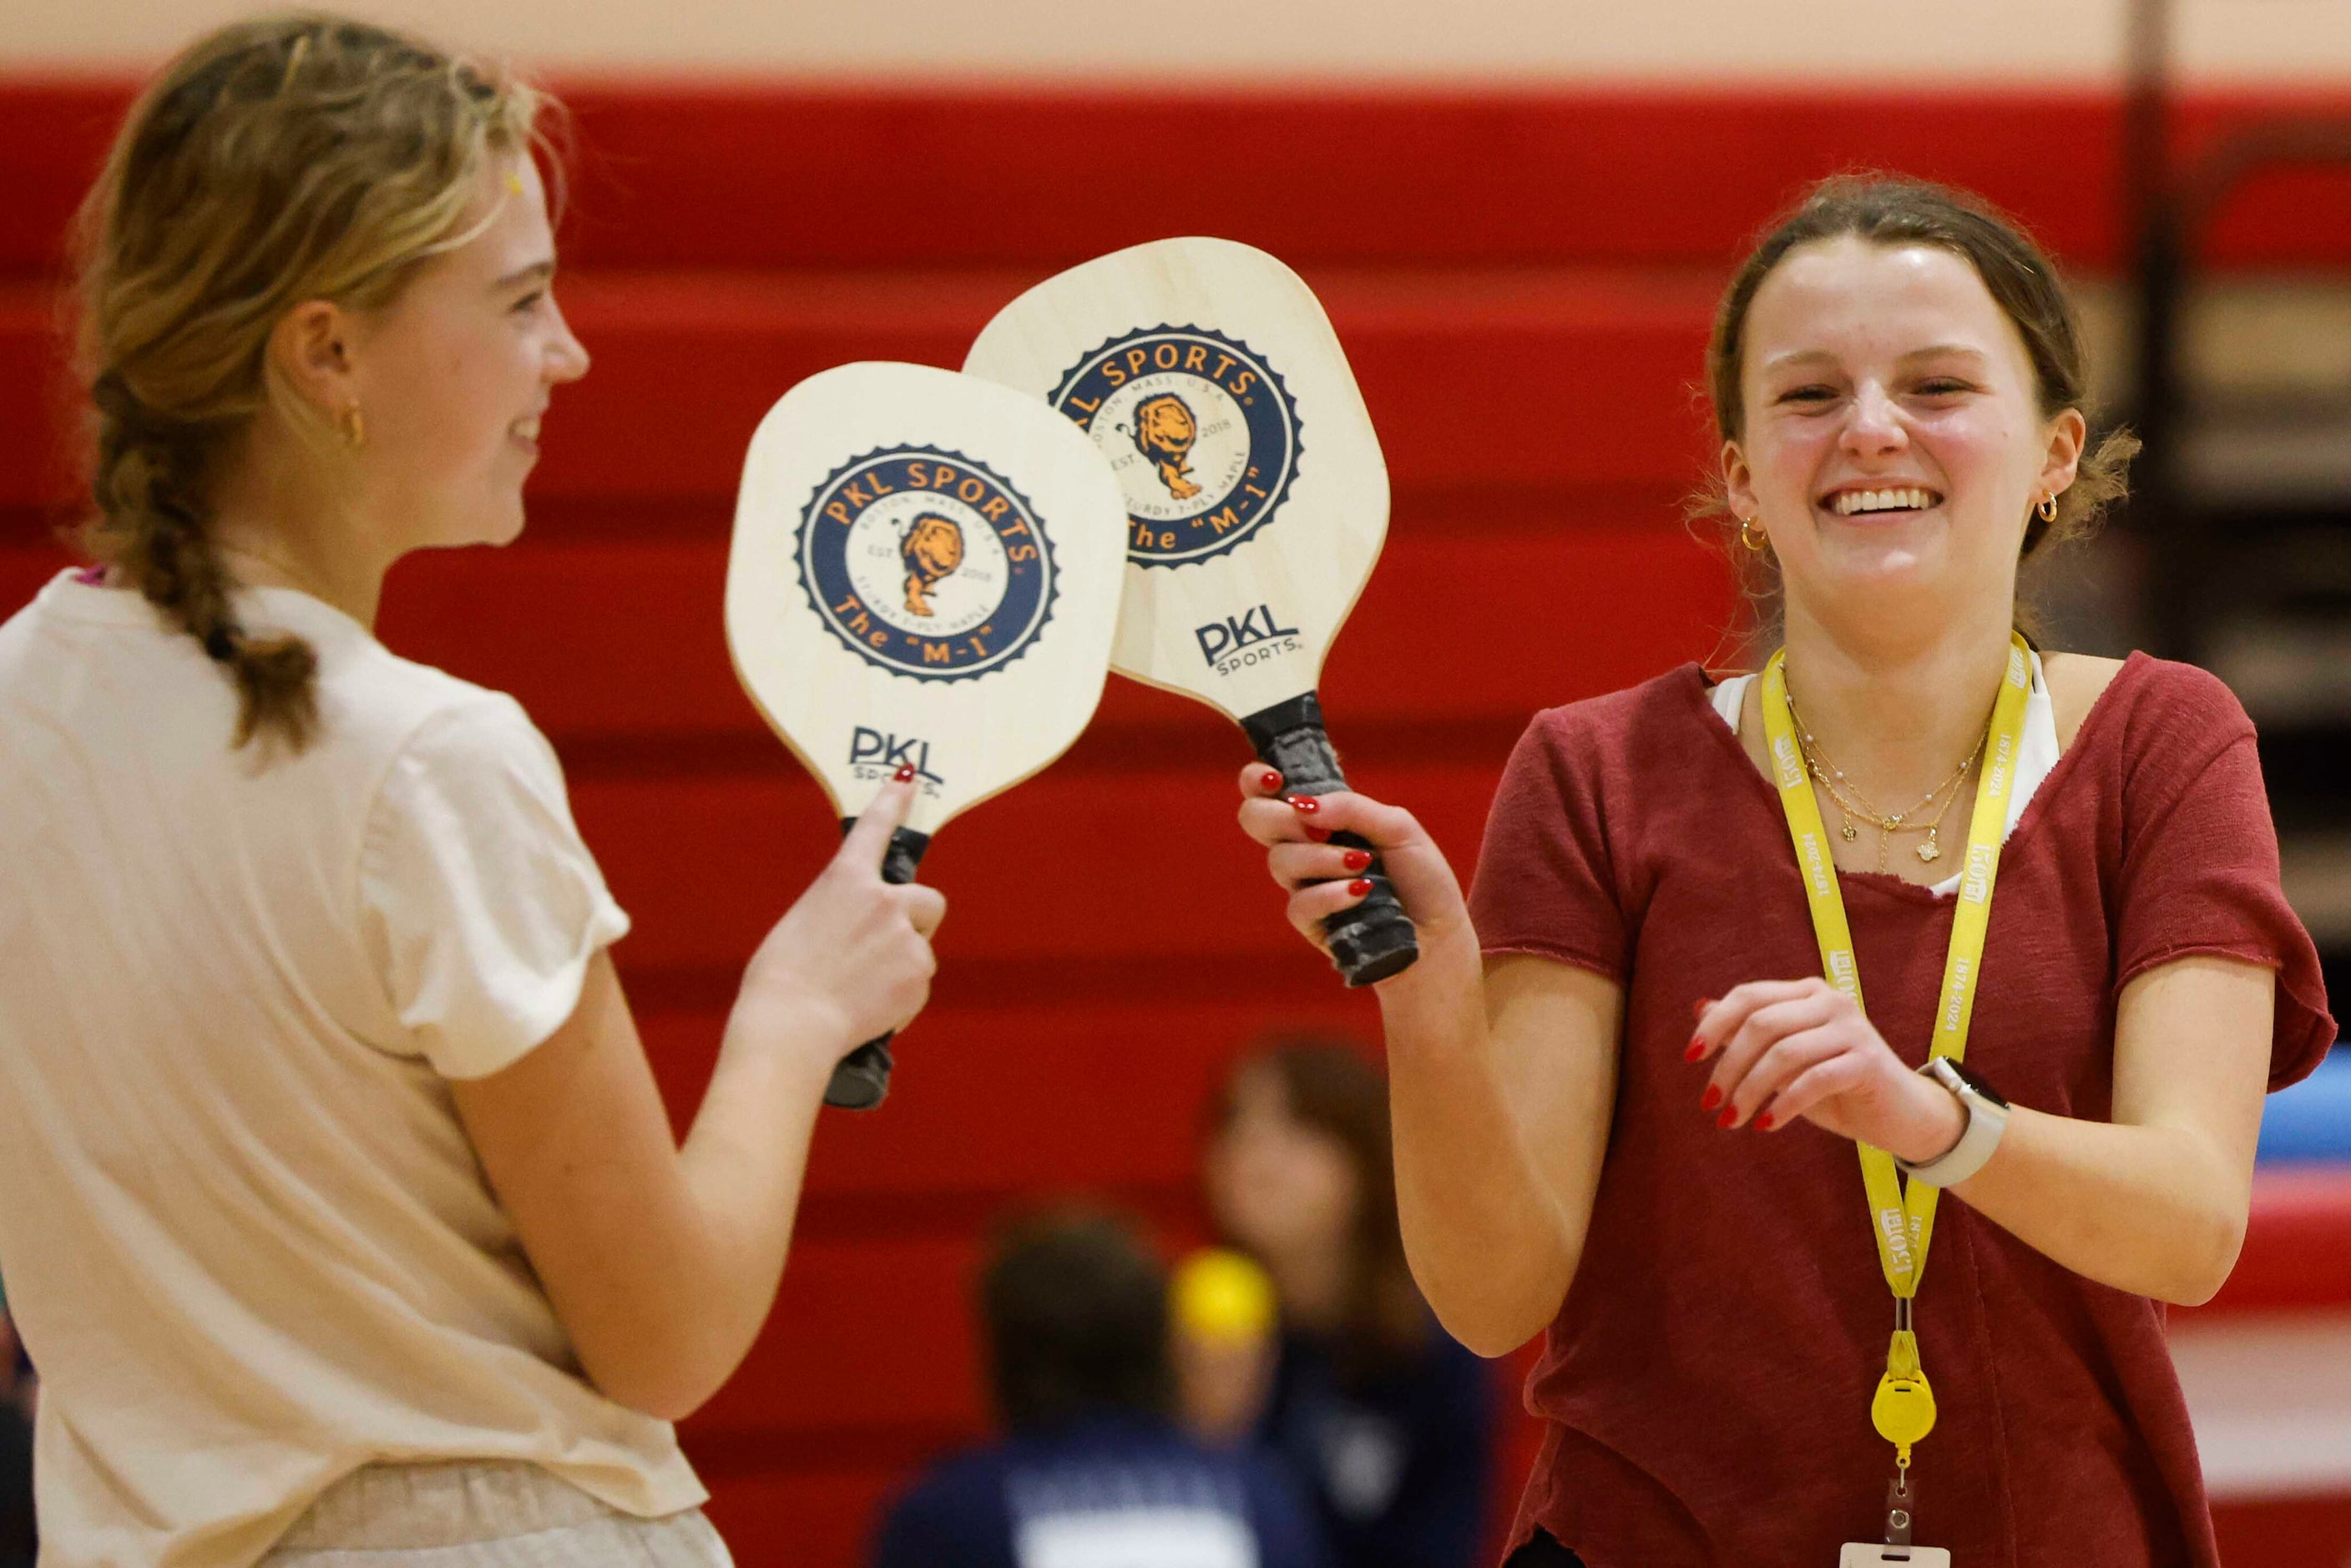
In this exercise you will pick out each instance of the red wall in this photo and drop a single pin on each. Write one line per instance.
(1524, 285)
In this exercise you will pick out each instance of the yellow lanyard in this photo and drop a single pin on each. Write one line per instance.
(1904, 1222)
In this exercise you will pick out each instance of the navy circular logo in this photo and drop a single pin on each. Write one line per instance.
(926, 563)
(1201, 431)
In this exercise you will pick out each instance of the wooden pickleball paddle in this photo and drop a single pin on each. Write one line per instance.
(1255, 493)
(925, 571)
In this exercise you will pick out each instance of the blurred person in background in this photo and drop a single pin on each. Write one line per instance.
(1092, 1470)
(1387, 1418)
(343, 1213)
(1224, 1334)
(19, 1397)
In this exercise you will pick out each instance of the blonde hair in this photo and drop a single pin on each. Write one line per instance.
(275, 161)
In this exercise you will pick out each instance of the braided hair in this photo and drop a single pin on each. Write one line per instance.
(275, 161)
(150, 489)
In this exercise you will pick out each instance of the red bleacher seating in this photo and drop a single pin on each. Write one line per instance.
(1523, 282)
(737, 174)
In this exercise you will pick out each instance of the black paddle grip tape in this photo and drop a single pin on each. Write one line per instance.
(1374, 939)
(862, 1079)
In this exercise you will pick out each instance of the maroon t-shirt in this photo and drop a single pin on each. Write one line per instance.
(1707, 1383)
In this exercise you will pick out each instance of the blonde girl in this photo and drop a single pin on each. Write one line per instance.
(343, 1214)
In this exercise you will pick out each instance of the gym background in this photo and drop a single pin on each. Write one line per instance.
(1518, 214)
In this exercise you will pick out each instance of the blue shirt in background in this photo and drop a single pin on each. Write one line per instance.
(1128, 1489)
(1400, 1460)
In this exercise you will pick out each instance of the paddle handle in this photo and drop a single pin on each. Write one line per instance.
(862, 1079)
(1374, 939)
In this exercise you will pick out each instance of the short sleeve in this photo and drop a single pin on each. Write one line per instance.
(2200, 872)
(956, 1513)
(1545, 882)
(480, 905)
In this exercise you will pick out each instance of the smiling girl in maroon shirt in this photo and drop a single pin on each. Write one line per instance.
(1898, 384)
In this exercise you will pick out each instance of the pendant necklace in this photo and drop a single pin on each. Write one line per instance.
(1850, 804)
(1931, 851)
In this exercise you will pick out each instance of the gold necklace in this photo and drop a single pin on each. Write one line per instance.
(1834, 776)
(1851, 803)
(1929, 851)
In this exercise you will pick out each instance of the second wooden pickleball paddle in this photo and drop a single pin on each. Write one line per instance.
(925, 572)
(1255, 494)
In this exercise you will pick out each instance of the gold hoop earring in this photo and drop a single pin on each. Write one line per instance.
(354, 427)
(1753, 537)
(2047, 511)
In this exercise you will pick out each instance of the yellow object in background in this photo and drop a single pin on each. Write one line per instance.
(1217, 1293)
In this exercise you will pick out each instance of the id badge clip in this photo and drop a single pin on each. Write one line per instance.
(1896, 1548)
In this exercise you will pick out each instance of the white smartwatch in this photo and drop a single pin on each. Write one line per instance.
(1987, 1119)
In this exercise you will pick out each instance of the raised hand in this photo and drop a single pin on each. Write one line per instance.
(854, 952)
(1323, 878)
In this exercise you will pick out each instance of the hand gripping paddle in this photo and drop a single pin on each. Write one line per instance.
(925, 572)
(1256, 498)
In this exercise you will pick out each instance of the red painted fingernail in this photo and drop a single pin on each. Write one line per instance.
(1268, 780)
(1696, 1049)
(1360, 887)
(905, 773)
(1320, 835)
(1356, 860)
(1710, 1099)
(1703, 1003)
(1766, 1122)
(1730, 1115)
(1306, 803)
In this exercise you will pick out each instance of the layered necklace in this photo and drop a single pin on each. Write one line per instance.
(1851, 805)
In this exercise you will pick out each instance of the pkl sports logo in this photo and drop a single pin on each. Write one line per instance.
(1238, 641)
(926, 563)
(876, 754)
(1201, 429)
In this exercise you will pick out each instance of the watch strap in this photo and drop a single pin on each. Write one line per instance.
(1987, 1119)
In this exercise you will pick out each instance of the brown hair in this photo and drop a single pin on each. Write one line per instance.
(1892, 211)
(284, 158)
(1328, 1086)
(1074, 1308)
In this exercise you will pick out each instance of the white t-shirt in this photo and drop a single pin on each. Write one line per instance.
(246, 1238)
